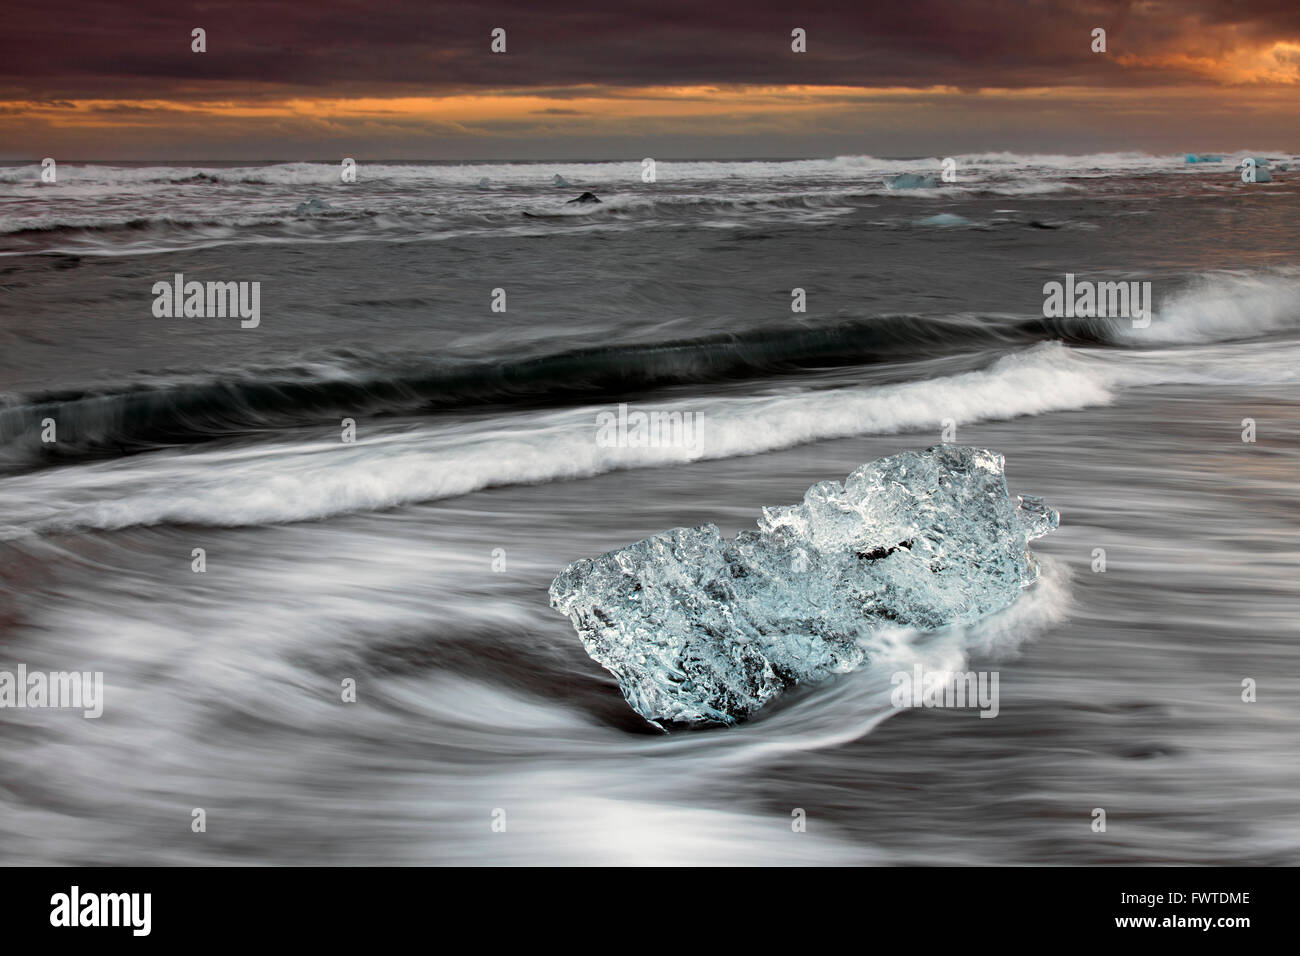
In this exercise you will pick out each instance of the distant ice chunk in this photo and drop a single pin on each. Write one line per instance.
(701, 629)
(910, 181)
(1203, 158)
(945, 219)
(562, 182)
(484, 183)
(312, 206)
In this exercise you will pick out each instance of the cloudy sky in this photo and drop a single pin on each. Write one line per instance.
(634, 78)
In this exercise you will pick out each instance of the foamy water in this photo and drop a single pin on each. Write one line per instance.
(415, 560)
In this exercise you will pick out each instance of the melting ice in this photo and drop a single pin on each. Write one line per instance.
(701, 629)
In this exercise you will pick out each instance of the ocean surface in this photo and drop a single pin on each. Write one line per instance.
(416, 559)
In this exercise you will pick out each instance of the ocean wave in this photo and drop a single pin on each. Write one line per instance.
(104, 422)
(1220, 307)
(107, 225)
(105, 210)
(581, 175)
(386, 216)
(306, 480)
(300, 480)
(149, 414)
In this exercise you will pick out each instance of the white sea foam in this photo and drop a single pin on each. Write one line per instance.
(588, 175)
(304, 480)
(1220, 307)
(218, 205)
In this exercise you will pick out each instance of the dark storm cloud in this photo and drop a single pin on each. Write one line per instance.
(90, 49)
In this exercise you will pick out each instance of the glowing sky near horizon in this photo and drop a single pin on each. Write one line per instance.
(289, 80)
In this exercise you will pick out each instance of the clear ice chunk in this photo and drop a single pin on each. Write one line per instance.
(945, 219)
(910, 181)
(312, 206)
(701, 629)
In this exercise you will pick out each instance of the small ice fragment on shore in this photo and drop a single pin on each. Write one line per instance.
(911, 181)
(701, 629)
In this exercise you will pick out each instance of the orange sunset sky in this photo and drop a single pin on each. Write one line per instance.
(90, 80)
